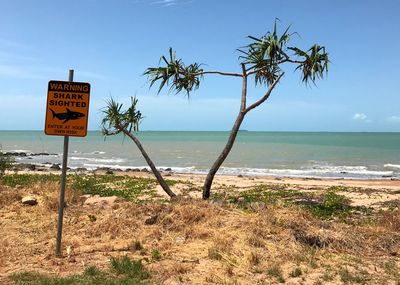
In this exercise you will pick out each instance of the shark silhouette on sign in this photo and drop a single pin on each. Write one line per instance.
(69, 115)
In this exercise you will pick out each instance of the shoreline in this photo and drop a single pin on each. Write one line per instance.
(54, 168)
(374, 193)
(99, 160)
(49, 167)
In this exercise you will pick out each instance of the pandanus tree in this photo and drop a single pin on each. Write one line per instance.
(262, 60)
(116, 121)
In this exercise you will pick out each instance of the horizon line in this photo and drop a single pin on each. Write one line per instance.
(254, 131)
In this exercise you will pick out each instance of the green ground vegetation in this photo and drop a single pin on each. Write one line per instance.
(122, 271)
(6, 163)
(326, 204)
(135, 189)
(22, 180)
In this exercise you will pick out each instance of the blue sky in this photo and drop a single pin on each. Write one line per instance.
(110, 43)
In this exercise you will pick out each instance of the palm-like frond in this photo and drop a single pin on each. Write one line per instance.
(115, 120)
(176, 74)
(264, 55)
(315, 62)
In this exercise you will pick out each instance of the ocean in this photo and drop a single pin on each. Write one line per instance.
(282, 154)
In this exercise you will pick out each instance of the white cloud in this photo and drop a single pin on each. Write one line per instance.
(393, 119)
(168, 3)
(360, 117)
(165, 2)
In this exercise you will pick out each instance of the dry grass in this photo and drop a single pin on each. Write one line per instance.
(391, 220)
(197, 242)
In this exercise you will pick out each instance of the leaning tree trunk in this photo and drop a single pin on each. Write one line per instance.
(221, 158)
(229, 144)
(156, 173)
(235, 129)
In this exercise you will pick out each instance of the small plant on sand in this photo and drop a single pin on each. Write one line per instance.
(156, 255)
(213, 253)
(132, 268)
(332, 205)
(296, 272)
(92, 218)
(328, 275)
(6, 163)
(338, 188)
(117, 121)
(276, 271)
(267, 194)
(254, 258)
(137, 245)
(390, 219)
(262, 60)
(307, 255)
(92, 271)
(347, 277)
(258, 196)
(391, 268)
(123, 271)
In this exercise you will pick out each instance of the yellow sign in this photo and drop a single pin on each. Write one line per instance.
(67, 108)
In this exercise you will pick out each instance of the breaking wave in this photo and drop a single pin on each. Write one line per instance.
(334, 172)
(112, 161)
(395, 166)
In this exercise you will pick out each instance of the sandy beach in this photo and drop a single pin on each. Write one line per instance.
(370, 193)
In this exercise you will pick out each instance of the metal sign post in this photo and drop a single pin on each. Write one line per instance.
(67, 112)
(63, 182)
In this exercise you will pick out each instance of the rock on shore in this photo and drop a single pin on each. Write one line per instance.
(29, 200)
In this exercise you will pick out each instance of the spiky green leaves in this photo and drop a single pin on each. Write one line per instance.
(314, 64)
(175, 74)
(265, 56)
(115, 120)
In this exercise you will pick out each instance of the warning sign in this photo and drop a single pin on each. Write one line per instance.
(67, 108)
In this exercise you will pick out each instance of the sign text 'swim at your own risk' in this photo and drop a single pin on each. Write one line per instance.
(67, 108)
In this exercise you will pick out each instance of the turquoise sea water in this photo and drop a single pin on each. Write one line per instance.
(300, 154)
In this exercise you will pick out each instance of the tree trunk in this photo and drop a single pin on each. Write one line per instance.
(221, 158)
(156, 173)
(232, 136)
